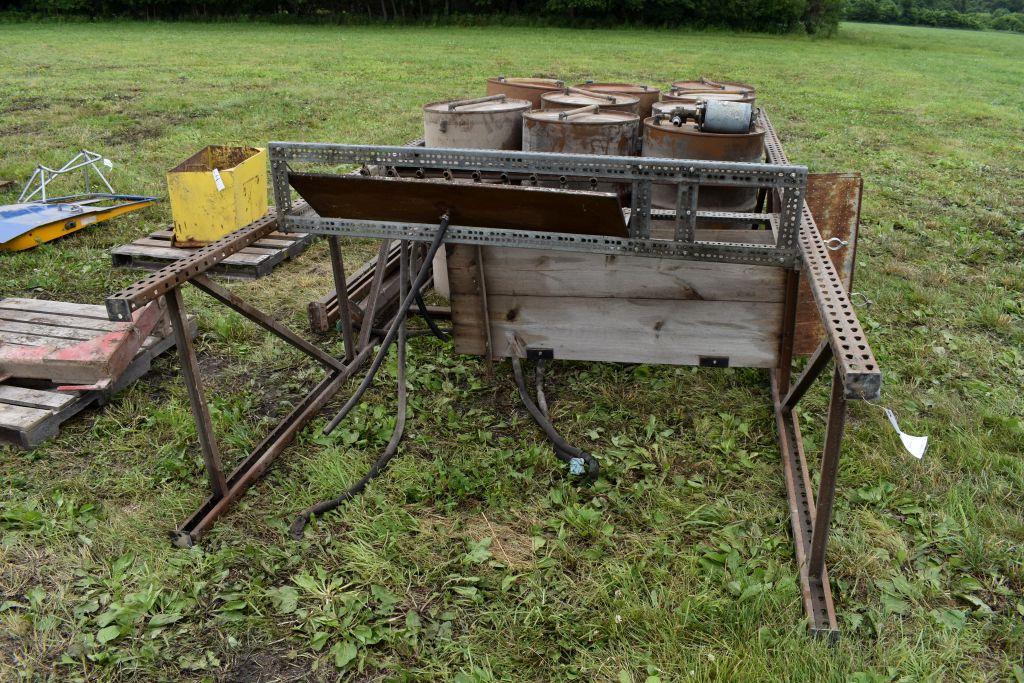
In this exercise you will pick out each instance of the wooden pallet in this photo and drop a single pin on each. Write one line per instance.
(32, 411)
(156, 251)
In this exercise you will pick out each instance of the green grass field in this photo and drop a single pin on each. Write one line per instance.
(473, 558)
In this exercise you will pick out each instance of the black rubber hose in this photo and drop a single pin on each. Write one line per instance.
(299, 525)
(425, 314)
(542, 401)
(403, 312)
(564, 451)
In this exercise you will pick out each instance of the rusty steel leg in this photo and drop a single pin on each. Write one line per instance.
(265, 321)
(819, 359)
(817, 594)
(787, 338)
(263, 455)
(201, 412)
(829, 470)
(341, 292)
(371, 302)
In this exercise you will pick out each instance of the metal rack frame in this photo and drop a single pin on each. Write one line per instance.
(799, 249)
(788, 181)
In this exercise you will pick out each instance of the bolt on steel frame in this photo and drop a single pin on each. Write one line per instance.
(798, 249)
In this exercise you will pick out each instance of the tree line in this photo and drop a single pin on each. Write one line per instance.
(775, 16)
(1001, 15)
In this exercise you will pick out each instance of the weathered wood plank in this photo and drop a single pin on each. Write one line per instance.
(73, 321)
(55, 307)
(22, 418)
(36, 340)
(638, 330)
(47, 331)
(34, 398)
(273, 242)
(173, 254)
(469, 332)
(532, 272)
(666, 230)
(253, 249)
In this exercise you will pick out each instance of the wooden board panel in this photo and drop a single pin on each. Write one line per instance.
(626, 309)
(479, 205)
(82, 323)
(15, 338)
(173, 254)
(52, 331)
(57, 308)
(22, 418)
(254, 250)
(638, 330)
(34, 398)
(272, 242)
(532, 272)
(464, 293)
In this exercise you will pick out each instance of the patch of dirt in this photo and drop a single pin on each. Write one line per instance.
(268, 665)
(211, 364)
(133, 134)
(126, 95)
(16, 129)
(26, 104)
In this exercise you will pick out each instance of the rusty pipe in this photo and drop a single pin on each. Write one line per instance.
(452, 106)
(589, 93)
(569, 113)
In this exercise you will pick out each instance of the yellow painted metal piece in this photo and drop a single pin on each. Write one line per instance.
(205, 210)
(55, 229)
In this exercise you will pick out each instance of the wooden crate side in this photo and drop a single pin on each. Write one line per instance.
(660, 331)
(625, 309)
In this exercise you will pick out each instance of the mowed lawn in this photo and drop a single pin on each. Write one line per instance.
(474, 558)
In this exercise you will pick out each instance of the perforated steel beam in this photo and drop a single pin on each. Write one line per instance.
(855, 361)
(121, 304)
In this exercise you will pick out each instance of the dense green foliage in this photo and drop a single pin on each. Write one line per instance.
(1002, 15)
(773, 16)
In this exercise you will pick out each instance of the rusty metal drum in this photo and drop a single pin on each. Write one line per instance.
(493, 122)
(667, 141)
(574, 98)
(586, 130)
(708, 85)
(523, 88)
(647, 94)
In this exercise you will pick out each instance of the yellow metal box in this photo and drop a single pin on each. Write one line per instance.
(216, 191)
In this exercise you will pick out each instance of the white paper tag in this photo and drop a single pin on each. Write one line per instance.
(915, 445)
(108, 163)
(218, 181)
